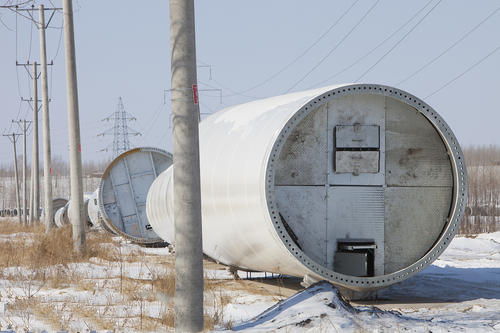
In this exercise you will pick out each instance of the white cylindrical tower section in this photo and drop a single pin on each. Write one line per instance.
(57, 204)
(160, 205)
(335, 183)
(93, 209)
(61, 216)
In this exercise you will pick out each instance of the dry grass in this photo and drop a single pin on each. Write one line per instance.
(167, 318)
(12, 226)
(37, 249)
(164, 283)
(49, 315)
(43, 260)
(92, 319)
(209, 322)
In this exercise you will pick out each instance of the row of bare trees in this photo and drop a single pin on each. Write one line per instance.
(59, 167)
(60, 179)
(483, 168)
(483, 208)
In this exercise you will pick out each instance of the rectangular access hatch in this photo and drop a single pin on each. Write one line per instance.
(355, 257)
(357, 162)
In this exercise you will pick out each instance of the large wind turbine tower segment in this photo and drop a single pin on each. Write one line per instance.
(123, 189)
(362, 185)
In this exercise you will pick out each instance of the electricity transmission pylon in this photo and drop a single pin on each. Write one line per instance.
(120, 131)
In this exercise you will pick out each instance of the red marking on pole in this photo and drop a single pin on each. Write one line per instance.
(80, 147)
(50, 170)
(195, 94)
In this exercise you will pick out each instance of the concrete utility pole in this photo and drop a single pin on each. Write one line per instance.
(47, 169)
(22, 126)
(76, 214)
(13, 138)
(25, 220)
(45, 117)
(32, 192)
(35, 165)
(188, 300)
(33, 213)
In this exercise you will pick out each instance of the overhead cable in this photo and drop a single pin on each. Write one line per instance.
(335, 47)
(398, 42)
(458, 41)
(375, 48)
(477, 63)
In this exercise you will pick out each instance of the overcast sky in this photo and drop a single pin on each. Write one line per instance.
(256, 49)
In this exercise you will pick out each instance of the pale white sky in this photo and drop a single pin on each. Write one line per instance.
(123, 50)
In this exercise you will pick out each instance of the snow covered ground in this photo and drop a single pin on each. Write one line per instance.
(459, 292)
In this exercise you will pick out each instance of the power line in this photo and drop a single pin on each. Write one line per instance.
(464, 72)
(155, 117)
(233, 92)
(17, 4)
(458, 41)
(58, 45)
(335, 47)
(375, 48)
(398, 42)
(302, 54)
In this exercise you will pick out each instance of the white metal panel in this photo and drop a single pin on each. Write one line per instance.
(304, 210)
(302, 160)
(141, 185)
(93, 209)
(159, 206)
(107, 194)
(356, 162)
(415, 217)
(416, 155)
(125, 202)
(139, 163)
(356, 212)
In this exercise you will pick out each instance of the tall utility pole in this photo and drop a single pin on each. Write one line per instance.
(42, 26)
(32, 192)
(188, 300)
(25, 160)
(35, 165)
(13, 138)
(47, 169)
(35, 180)
(25, 199)
(75, 161)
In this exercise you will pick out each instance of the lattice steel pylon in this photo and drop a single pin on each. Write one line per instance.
(120, 131)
